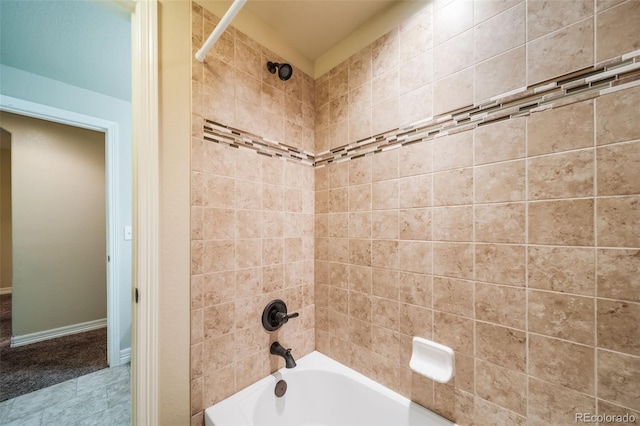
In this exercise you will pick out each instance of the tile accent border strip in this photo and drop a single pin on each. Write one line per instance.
(235, 138)
(616, 74)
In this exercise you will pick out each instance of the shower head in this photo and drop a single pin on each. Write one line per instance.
(285, 71)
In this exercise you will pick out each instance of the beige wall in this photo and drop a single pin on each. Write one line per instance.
(173, 293)
(510, 243)
(515, 244)
(506, 253)
(5, 211)
(234, 87)
(59, 224)
(456, 53)
(251, 217)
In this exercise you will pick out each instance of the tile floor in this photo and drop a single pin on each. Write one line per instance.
(100, 398)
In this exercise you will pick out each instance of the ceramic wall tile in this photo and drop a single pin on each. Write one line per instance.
(504, 140)
(616, 169)
(502, 387)
(416, 72)
(453, 187)
(563, 316)
(561, 52)
(414, 224)
(453, 296)
(615, 410)
(623, 40)
(562, 363)
(616, 326)
(618, 378)
(454, 331)
(562, 269)
(544, 17)
(554, 404)
(500, 223)
(501, 305)
(488, 413)
(500, 182)
(562, 129)
(453, 152)
(502, 346)
(487, 9)
(616, 117)
(500, 33)
(453, 260)
(452, 19)
(501, 264)
(617, 220)
(563, 222)
(453, 92)
(617, 278)
(566, 175)
(500, 74)
(453, 55)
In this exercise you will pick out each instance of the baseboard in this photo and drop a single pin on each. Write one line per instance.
(57, 332)
(5, 290)
(125, 356)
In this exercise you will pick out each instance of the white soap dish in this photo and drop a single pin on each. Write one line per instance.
(432, 360)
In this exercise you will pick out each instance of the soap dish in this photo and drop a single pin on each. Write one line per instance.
(432, 360)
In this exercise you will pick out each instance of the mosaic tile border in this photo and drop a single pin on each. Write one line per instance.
(236, 138)
(609, 76)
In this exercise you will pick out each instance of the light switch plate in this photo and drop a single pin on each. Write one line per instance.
(128, 233)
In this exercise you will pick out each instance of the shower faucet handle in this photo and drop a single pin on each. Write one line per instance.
(275, 315)
(282, 317)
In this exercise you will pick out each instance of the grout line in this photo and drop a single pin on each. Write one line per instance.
(616, 403)
(474, 296)
(431, 231)
(501, 407)
(595, 235)
(526, 264)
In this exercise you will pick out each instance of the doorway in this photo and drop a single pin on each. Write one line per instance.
(94, 156)
(58, 256)
(112, 258)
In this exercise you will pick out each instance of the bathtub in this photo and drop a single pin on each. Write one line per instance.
(320, 392)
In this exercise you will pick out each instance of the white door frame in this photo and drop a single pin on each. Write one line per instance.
(110, 129)
(146, 207)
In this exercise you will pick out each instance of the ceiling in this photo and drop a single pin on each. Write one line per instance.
(313, 27)
(79, 42)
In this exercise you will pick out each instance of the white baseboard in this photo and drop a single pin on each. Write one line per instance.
(5, 290)
(57, 332)
(125, 356)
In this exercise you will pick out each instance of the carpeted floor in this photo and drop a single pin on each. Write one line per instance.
(31, 367)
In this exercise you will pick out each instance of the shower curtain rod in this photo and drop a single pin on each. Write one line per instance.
(219, 29)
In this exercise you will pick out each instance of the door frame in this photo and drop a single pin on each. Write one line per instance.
(110, 130)
(146, 208)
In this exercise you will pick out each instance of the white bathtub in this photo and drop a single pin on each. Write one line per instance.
(320, 392)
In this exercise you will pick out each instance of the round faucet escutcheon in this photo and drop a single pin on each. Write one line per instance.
(275, 315)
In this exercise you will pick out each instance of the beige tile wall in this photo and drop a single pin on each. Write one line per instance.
(516, 244)
(457, 52)
(234, 87)
(523, 260)
(251, 218)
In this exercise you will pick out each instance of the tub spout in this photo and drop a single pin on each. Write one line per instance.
(278, 349)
